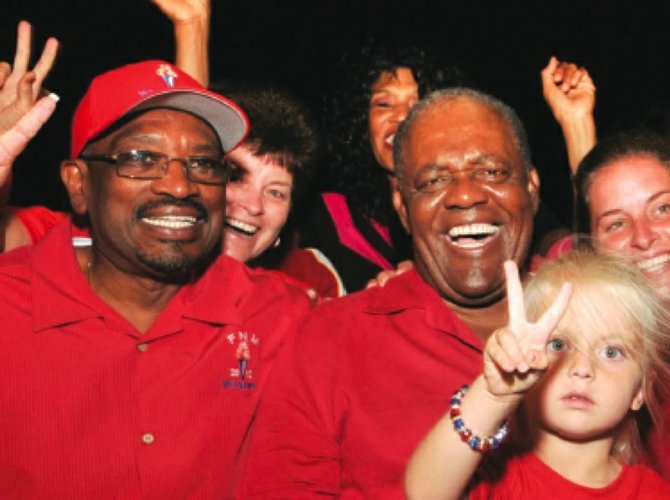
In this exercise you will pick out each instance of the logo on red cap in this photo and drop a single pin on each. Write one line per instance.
(167, 74)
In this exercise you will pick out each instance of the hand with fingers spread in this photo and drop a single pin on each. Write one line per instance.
(571, 95)
(515, 357)
(19, 87)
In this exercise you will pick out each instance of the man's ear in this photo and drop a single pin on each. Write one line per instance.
(73, 173)
(401, 209)
(534, 188)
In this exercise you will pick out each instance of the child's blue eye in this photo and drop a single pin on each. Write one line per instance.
(612, 352)
(556, 345)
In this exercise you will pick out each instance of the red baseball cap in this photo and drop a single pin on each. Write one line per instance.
(148, 85)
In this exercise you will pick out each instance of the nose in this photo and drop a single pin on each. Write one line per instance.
(580, 364)
(246, 196)
(643, 235)
(464, 192)
(176, 182)
(401, 110)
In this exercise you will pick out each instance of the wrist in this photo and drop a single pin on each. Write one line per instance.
(574, 117)
(476, 442)
(196, 22)
(485, 410)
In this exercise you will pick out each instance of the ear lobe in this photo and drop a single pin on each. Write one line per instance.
(401, 209)
(534, 188)
(73, 174)
(638, 400)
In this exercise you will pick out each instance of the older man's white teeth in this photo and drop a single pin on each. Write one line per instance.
(473, 230)
(171, 221)
(653, 262)
(389, 139)
(241, 226)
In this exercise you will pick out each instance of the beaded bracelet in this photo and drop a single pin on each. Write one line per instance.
(475, 442)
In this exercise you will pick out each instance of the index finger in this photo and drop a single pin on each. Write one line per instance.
(556, 310)
(515, 307)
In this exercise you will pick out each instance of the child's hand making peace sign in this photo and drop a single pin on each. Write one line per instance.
(515, 356)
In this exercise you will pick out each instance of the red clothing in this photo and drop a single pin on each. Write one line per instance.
(92, 408)
(369, 376)
(301, 268)
(38, 221)
(311, 267)
(528, 477)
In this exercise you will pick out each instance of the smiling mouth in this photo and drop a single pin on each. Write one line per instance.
(241, 227)
(648, 264)
(472, 235)
(171, 221)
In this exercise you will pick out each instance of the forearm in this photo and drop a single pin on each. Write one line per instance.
(442, 466)
(192, 47)
(580, 136)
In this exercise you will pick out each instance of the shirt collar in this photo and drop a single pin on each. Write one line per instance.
(410, 291)
(60, 292)
(62, 295)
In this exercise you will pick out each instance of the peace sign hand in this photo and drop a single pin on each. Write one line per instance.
(515, 356)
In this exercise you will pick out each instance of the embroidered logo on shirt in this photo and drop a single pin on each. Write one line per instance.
(241, 374)
(167, 74)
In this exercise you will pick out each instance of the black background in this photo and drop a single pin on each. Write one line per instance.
(296, 43)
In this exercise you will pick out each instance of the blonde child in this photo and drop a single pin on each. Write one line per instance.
(596, 353)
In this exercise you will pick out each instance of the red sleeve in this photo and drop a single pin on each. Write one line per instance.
(293, 450)
(38, 221)
(314, 269)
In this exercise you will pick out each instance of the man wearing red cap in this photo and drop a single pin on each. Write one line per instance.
(120, 373)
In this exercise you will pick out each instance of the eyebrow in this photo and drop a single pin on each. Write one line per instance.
(476, 159)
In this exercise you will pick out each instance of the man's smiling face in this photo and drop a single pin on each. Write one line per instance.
(466, 198)
(160, 228)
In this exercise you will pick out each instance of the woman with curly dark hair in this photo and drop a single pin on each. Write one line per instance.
(353, 223)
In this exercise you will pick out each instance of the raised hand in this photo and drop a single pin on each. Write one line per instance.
(14, 140)
(515, 356)
(184, 11)
(568, 90)
(571, 96)
(20, 88)
(190, 19)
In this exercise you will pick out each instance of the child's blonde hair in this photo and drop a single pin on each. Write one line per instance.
(601, 282)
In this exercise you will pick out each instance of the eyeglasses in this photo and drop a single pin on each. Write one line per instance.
(137, 164)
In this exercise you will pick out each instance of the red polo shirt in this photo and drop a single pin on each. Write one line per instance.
(369, 376)
(92, 408)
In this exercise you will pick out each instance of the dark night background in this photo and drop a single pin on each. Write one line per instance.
(296, 43)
